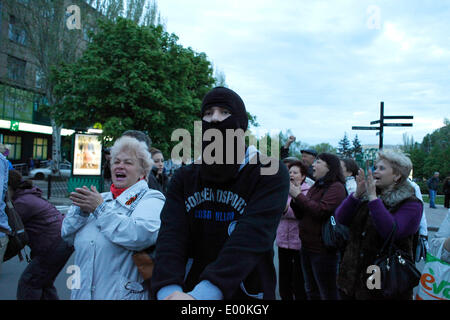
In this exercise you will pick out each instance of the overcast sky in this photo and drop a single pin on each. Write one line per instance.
(319, 67)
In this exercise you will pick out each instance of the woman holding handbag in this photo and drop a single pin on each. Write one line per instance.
(384, 201)
(49, 253)
(319, 263)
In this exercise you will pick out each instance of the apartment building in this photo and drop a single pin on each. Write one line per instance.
(24, 128)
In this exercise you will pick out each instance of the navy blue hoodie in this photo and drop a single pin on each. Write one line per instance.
(228, 229)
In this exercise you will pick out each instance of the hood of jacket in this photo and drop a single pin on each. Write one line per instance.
(21, 192)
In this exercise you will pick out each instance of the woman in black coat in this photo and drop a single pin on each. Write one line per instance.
(319, 264)
(161, 180)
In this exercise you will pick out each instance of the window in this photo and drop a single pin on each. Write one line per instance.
(40, 148)
(15, 33)
(14, 144)
(16, 69)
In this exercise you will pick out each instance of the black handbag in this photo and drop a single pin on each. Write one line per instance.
(398, 271)
(334, 235)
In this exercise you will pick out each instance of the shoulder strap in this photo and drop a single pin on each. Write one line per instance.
(9, 205)
(389, 240)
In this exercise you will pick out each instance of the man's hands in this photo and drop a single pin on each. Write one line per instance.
(87, 199)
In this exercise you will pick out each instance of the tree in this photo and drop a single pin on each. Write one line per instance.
(344, 148)
(357, 147)
(324, 147)
(430, 155)
(134, 77)
(438, 151)
(43, 25)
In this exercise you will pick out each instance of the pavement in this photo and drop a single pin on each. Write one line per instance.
(11, 270)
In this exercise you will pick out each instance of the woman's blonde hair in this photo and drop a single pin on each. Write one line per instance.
(135, 148)
(400, 162)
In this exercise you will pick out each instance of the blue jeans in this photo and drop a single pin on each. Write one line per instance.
(432, 198)
(320, 272)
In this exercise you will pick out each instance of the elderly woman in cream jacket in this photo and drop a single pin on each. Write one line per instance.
(108, 228)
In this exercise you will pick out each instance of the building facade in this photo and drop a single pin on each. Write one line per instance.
(24, 127)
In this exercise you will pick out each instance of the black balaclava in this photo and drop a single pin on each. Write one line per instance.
(225, 98)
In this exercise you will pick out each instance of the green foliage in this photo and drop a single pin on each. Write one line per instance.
(432, 154)
(252, 121)
(324, 147)
(133, 77)
(344, 148)
(357, 147)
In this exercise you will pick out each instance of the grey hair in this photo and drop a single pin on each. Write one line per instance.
(135, 148)
(400, 162)
(3, 148)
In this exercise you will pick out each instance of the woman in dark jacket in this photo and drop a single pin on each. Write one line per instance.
(381, 199)
(162, 180)
(49, 253)
(319, 264)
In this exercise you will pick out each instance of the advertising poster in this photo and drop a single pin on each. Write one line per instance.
(87, 155)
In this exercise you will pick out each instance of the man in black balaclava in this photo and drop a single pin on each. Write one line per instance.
(219, 221)
(223, 109)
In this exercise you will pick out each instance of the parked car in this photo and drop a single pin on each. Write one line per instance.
(42, 173)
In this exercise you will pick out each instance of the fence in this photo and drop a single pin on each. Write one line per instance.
(57, 187)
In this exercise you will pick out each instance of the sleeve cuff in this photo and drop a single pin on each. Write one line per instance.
(77, 211)
(99, 210)
(166, 291)
(205, 290)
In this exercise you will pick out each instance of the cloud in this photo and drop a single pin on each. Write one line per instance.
(319, 67)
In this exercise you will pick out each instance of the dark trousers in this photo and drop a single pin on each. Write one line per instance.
(290, 281)
(446, 200)
(36, 281)
(320, 271)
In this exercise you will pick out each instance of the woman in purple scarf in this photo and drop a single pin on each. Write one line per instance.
(381, 199)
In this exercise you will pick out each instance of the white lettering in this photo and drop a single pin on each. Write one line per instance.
(73, 21)
(74, 281)
(374, 281)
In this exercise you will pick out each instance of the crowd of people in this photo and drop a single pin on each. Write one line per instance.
(208, 232)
